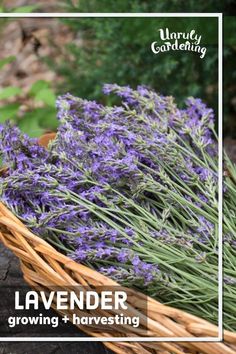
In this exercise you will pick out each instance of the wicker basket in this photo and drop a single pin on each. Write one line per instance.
(46, 268)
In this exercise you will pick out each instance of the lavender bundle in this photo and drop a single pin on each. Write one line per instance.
(131, 191)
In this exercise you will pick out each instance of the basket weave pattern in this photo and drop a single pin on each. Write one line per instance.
(46, 268)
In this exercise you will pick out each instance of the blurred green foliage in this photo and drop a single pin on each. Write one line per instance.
(147, 6)
(18, 9)
(116, 50)
(40, 115)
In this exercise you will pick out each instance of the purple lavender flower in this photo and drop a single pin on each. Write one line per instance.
(18, 150)
(123, 256)
(102, 189)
